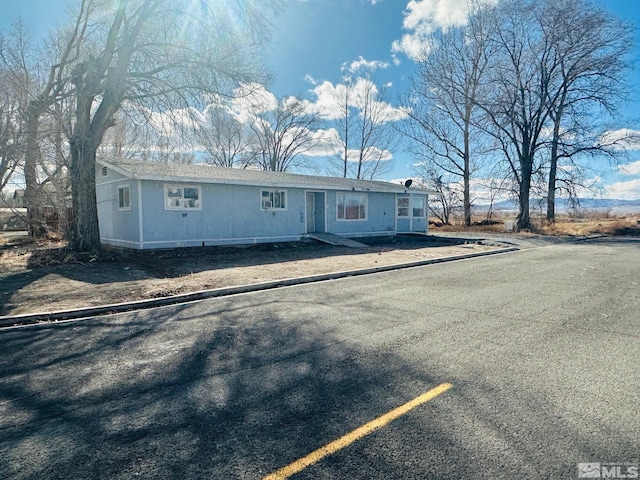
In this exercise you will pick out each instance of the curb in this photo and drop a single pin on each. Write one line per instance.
(75, 314)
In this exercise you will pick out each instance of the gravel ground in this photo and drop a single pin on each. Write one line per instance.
(46, 277)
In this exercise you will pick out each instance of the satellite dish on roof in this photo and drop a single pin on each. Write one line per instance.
(408, 183)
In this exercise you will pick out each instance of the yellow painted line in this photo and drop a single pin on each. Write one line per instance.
(357, 434)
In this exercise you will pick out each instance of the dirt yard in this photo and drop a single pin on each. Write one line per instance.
(46, 277)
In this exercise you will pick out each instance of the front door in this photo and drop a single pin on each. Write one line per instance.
(315, 210)
(311, 212)
(411, 215)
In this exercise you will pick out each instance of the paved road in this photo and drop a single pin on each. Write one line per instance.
(541, 347)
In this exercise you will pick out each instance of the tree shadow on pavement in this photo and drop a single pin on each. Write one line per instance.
(238, 392)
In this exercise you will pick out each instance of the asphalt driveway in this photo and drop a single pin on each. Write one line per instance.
(539, 348)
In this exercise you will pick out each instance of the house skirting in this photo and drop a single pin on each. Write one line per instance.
(229, 241)
(199, 242)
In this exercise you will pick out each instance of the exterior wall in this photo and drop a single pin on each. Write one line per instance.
(117, 227)
(230, 214)
(381, 208)
(426, 227)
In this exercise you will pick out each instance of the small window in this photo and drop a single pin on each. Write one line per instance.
(124, 197)
(351, 206)
(273, 200)
(182, 197)
(105, 172)
(403, 206)
(418, 207)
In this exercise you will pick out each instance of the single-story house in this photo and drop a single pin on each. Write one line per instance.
(146, 205)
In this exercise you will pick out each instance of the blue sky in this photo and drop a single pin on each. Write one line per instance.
(314, 41)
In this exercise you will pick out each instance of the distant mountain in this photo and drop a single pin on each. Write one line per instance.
(563, 204)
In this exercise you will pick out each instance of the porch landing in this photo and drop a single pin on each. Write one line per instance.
(332, 239)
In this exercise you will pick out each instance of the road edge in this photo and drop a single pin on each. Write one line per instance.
(89, 312)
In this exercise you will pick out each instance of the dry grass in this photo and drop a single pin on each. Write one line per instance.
(591, 224)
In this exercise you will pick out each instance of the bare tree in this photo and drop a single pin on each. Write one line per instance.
(283, 135)
(226, 139)
(158, 54)
(443, 99)
(38, 78)
(557, 63)
(591, 47)
(10, 130)
(347, 116)
(364, 123)
(448, 198)
(518, 109)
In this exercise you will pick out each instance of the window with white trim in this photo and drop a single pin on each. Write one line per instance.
(182, 197)
(273, 199)
(403, 207)
(418, 207)
(124, 197)
(351, 206)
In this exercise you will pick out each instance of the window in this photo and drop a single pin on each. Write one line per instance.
(418, 206)
(403, 206)
(124, 197)
(182, 197)
(273, 200)
(104, 171)
(352, 206)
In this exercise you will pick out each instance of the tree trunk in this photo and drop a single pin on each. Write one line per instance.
(551, 189)
(524, 218)
(467, 173)
(346, 164)
(553, 168)
(467, 197)
(32, 194)
(85, 233)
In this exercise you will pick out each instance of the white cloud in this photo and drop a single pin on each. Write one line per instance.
(389, 113)
(371, 154)
(178, 130)
(632, 168)
(622, 139)
(423, 17)
(252, 99)
(412, 45)
(326, 143)
(328, 97)
(310, 79)
(361, 64)
(439, 13)
(629, 190)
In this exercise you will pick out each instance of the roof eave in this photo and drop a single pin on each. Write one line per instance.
(391, 188)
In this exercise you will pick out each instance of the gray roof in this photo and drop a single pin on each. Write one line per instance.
(204, 173)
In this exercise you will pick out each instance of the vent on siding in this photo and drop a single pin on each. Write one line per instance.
(104, 171)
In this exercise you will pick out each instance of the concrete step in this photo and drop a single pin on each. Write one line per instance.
(332, 239)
